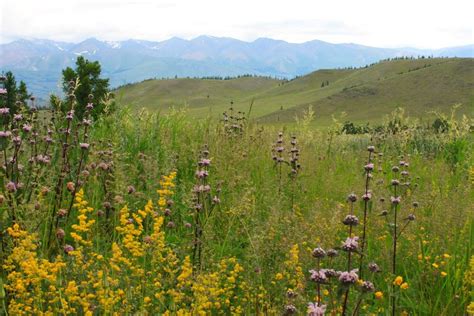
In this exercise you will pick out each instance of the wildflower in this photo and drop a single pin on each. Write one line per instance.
(70, 186)
(131, 189)
(188, 225)
(68, 248)
(383, 213)
(319, 252)
(60, 233)
(278, 276)
(378, 295)
(435, 265)
(371, 149)
(367, 196)
(11, 186)
(395, 169)
(411, 217)
(398, 281)
(84, 146)
(351, 244)
(290, 293)
(27, 128)
(395, 200)
(332, 253)
(373, 267)
(395, 182)
(62, 212)
(4, 111)
(5, 134)
(349, 277)
(89, 106)
(369, 167)
(447, 256)
(443, 274)
(367, 286)
(352, 197)
(290, 309)
(415, 204)
(404, 286)
(351, 220)
(315, 309)
(204, 162)
(171, 224)
(318, 276)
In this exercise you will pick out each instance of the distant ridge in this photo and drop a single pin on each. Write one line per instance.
(39, 62)
(420, 86)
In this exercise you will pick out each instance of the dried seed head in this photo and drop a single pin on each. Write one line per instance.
(371, 149)
(352, 198)
(373, 267)
(351, 220)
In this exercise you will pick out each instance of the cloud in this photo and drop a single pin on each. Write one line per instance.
(420, 23)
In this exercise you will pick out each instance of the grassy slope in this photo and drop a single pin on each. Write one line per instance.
(367, 94)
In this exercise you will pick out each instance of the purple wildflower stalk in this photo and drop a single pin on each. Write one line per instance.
(368, 168)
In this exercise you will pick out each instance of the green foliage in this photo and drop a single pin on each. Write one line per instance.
(17, 95)
(84, 81)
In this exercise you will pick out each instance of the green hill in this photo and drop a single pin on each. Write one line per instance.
(366, 94)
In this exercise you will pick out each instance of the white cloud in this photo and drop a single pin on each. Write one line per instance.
(423, 24)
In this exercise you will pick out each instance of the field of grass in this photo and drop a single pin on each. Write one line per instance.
(165, 214)
(420, 86)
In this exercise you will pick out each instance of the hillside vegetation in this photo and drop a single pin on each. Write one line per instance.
(421, 86)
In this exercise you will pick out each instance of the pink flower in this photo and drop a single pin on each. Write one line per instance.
(315, 309)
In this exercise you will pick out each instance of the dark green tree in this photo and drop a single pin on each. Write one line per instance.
(22, 93)
(10, 98)
(89, 83)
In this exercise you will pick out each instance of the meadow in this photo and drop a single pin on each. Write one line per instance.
(142, 213)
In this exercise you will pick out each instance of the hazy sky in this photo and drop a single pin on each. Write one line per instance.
(396, 23)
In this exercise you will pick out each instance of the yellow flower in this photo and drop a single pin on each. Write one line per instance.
(443, 274)
(398, 281)
(379, 295)
(435, 265)
(447, 256)
(146, 300)
(279, 276)
(404, 286)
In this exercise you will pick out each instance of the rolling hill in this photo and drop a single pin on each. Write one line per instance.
(421, 86)
(39, 62)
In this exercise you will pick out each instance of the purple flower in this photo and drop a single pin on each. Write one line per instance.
(200, 174)
(315, 309)
(332, 253)
(3, 91)
(369, 167)
(318, 276)
(5, 134)
(351, 244)
(349, 277)
(10, 186)
(290, 309)
(351, 220)
(367, 196)
(68, 248)
(373, 267)
(84, 146)
(319, 252)
(352, 197)
(367, 286)
(27, 128)
(89, 106)
(17, 117)
(395, 200)
(204, 162)
(4, 111)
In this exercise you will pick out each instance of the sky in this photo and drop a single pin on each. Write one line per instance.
(400, 23)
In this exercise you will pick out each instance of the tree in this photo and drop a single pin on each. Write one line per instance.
(14, 93)
(22, 93)
(90, 87)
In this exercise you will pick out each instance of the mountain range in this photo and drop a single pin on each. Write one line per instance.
(39, 62)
